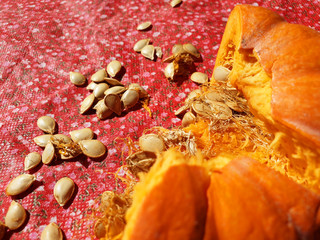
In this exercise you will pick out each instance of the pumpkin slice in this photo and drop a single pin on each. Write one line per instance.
(170, 202)
(247, 200)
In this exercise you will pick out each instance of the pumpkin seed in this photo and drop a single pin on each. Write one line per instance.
(220, 110)
(199, 77)
(99, 76)
(87, 103)
(91, 86)
(187, 119)
(182, 110)
(99, 90)
(177, 48)
(142, 92)
(201, 108)
(113, 102)
(221, 73)
(81, 134)
(92, 148)
(20, 184)
(175, 3)
(46, 124)
(214, 96)
(48, 153)
(169, 71)
(77, 78)
(102, 110)
(31, 160)
(169, 59)
(141, 44)
(140, 161)
(100, 229)
(151, 143)
(113, 82)
(158, 52)
(148, 52)
(52, 232)
(16, 216)
(113, 68)
(130, 98)
(60, 138)
(42, 140)
(234, 106)
(2, 230)
(115, 90)
(64, 189)
(193, 95)
(189, 48)
(144, 26)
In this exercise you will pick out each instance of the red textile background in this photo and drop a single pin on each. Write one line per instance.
(41, 41)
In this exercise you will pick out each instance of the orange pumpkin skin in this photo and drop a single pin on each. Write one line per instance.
(174, 209)
(247, 200)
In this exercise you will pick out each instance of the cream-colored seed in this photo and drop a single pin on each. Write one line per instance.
(113, 82)
(16, 216)
(151, 143)
(113, 102)
(144, 26)
(92, 86)
(189, 48)
(182, 110)
(48, 153)
(102, 110)
(32, 160)
(169, 71)
(92, 148)
(42, 140)
(187, 119)
(177, 48)
(220, 110)
(130, 98)
(142, 92)
(20, 184)
(81, 134)
(169, 59)
(234, 106)
(2, 230)
(46, 124)
(115, 90)
(60, 138)
(201, 108)
(99, 76)
(158, 52)
(77, 78)
(113, 68)
(199, 77)
(64, 189)
(213, 96)
(100, 229)
(193, 95)
(175, 3)
(51, 232)
(148, 52)
(141, 44)
(98, 92)
(221, 73)
(87, 103)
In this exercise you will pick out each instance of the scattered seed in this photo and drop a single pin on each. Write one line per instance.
(214, 96)
(42, 140)
(100, 229)
(141, 44)
(46, 124)
(99, 90)
(113, 68)
(158, 52)
(48, 153)
(31, 160)
(142, 92)
(182, 110)
(52, 232)
(115, 90)
(175, 3)
(77, 78)
(92, 86)
(221, 73)
(189, 48)
(199, 77)
(15, 216)
(2, 230)
(99, 76)
(130, 98)
(201, 108)
(187, 119)
(64, 189)
(60, 138)
(220, 110)
(92, 148)
(148, 52)
(113, 82)
(20, 184)
(102, 110)
(87, 103)
(151, 143)
(81, 134)
(177, 48)
(169, 71)
(113, 102)
(144, 26)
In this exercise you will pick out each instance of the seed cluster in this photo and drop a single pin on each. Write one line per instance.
(147, 50)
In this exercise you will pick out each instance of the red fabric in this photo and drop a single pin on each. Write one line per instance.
(42, 41)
